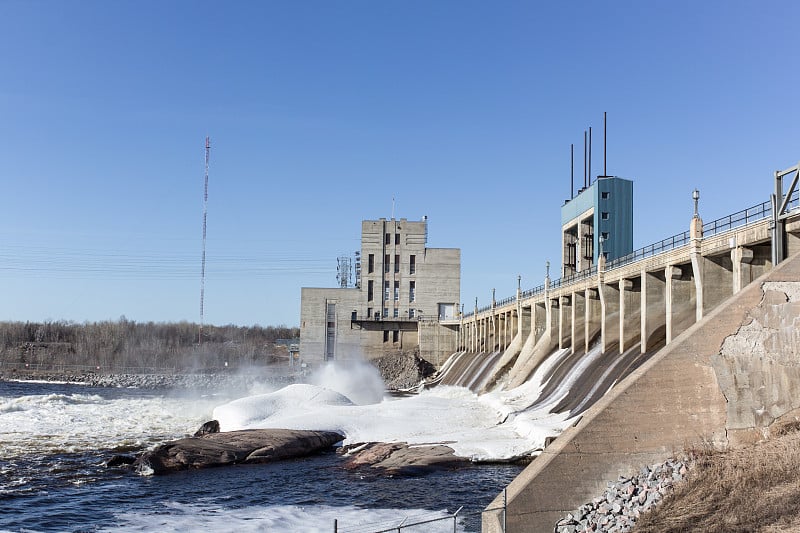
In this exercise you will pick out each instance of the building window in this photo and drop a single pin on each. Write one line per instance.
(412, 291)
(410, 313)
(388, 239)
(397, 263)
(605, 195)
(396, 313)
(369, 312)
(386, 263)
(395, 335)
(386, 290)
(604, 215)
(412, 264)
(371, 263)
(396, 291)
(370, 289)
(604, 234)
(385, 312)
(386, 336)
(397, 238)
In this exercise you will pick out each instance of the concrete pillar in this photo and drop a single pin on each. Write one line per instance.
(593, 315)
(741, 259)
(695, 253)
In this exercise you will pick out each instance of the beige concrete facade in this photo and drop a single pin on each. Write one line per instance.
(403, 283)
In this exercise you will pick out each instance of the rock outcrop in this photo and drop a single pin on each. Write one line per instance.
(403, 371)
(233, 447)
(398, 458)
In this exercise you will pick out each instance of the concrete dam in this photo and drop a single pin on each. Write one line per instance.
(691, 341)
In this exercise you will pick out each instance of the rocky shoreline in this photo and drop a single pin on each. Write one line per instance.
(618, 508)
(200, 381)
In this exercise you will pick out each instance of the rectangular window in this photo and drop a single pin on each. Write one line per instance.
(370, 289)
(396, 291)
(395, 335)
(385, 336)
(397, 238)
(386, 263)
(388, 239)
(369, 312)
(412, 264)
(604, 215)
(605, 195)
(397, 263)
(604, 234)
(411, 313)
(385, 290)
(385, 312)
(396, 313)
(371, 264)
(412, 291)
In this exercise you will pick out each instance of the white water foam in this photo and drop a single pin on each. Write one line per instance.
(66, 423)
(175, 517)
(494, 426)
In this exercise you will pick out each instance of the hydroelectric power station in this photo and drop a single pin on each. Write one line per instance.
(689, 341)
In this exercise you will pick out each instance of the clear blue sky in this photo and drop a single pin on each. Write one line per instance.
(321, 112)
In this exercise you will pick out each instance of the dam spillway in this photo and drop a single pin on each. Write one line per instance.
(588, 340)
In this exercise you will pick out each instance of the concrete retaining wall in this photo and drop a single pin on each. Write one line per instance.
(720, 383)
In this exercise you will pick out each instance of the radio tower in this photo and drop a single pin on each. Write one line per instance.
(203, 260)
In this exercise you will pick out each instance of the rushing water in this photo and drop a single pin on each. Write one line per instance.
(54, 439)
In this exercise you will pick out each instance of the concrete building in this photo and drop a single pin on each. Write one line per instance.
(600, 215)
(401, 284)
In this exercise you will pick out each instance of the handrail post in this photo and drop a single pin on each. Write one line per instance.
(335, 526)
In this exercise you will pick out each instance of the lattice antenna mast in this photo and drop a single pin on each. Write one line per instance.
(203, 260)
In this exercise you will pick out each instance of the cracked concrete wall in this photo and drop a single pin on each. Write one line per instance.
(758, 367)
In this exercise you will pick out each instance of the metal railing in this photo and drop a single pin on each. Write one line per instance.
(403, 524)
(738, 219)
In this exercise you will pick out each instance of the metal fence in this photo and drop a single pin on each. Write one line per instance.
(415, 524)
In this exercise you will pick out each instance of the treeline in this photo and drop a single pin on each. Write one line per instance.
(128, 344)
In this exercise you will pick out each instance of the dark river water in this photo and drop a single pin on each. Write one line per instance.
(52, 477)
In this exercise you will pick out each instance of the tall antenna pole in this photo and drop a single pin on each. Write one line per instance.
(203, 260)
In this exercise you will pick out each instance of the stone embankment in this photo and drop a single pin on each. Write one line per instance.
(617, 510)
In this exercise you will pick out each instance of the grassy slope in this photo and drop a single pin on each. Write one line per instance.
(751, 489)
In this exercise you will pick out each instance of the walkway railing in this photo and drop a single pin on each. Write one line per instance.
(738, 219)
(408, 527)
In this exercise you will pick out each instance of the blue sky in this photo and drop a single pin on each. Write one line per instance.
(320, 112)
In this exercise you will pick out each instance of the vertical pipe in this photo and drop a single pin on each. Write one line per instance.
(605, 136)
(590, 155)
(584, 159)
(572, 171)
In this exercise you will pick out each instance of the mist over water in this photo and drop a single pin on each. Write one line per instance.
(357, 380)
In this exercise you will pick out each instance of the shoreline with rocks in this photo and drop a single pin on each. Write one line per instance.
(624, 501)
(199, 381)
